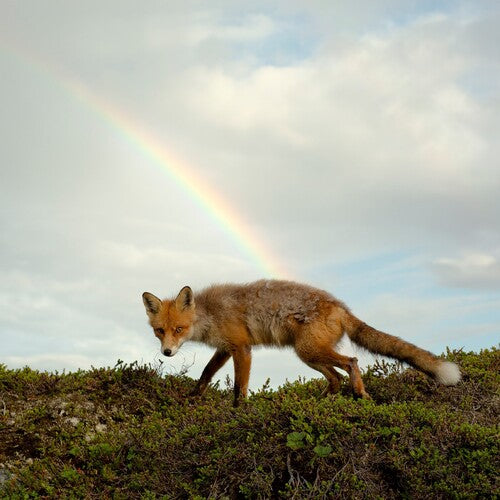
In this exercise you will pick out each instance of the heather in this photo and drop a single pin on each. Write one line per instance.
(131, 432)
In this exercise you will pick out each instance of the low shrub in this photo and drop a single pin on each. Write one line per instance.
(130, 432)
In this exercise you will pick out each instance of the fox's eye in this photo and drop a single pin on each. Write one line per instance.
(160, 331)
(178, 329)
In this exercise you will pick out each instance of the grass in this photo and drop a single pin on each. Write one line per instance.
(130, 432)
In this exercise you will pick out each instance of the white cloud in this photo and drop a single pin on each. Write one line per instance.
(473, 270)
(337, 132)
(127, 255)
(362, 126)
(59, 361)
(252, 28)
(436, 321)
(398, 97)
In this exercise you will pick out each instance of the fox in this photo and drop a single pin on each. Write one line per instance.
(232, 318)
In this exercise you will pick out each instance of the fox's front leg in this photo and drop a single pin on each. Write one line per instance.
(216, 362)
(242, 358)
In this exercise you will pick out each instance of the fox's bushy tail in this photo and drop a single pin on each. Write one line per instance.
(388, 345)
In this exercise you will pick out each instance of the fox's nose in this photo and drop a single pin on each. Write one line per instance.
(167, 352)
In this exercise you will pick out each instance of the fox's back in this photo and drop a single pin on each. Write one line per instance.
(271, 310)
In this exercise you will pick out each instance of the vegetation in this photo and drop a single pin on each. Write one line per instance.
(129, 432)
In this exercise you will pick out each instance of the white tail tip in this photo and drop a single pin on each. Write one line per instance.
(448, 373)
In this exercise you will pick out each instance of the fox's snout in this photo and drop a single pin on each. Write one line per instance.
(169, 345)
(169, 351)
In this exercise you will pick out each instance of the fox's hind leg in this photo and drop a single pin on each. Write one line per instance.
(216, 362)
(332, 376)
(314, 347)
(350, 365)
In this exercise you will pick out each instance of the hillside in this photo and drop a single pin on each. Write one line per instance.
(129, 432)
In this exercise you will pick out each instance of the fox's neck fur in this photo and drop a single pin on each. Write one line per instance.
(202, 325)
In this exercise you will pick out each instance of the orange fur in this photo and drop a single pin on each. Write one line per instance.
(232, 318)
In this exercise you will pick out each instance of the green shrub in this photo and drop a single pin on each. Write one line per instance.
(130, 432)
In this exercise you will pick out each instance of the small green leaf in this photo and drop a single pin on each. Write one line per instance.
(295, 441)
(322, 451)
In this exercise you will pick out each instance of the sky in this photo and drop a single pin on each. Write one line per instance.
(146, 146)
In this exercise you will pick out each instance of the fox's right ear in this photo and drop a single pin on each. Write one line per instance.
(151, 303)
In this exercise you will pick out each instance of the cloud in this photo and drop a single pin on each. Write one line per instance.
(48, 362)
(339, 132)
(362, 126)
(375, 92)
(252, 28)
(466, 319)
(473, 270)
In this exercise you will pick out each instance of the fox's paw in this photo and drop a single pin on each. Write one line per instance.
(196, 392)
(362, 395)
(330, 390)
(239, 403)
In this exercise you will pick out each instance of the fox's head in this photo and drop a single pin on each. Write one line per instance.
(172, 320)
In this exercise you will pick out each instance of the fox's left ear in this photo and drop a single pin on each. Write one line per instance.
(185, 299)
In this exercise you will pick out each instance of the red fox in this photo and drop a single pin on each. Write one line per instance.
(234, 317)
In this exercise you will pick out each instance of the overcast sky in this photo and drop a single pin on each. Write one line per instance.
(358, 141)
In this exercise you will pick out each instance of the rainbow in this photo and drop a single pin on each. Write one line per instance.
(208, 199)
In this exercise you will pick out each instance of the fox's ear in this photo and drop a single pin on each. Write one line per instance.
(151, 303)
(185, 299)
